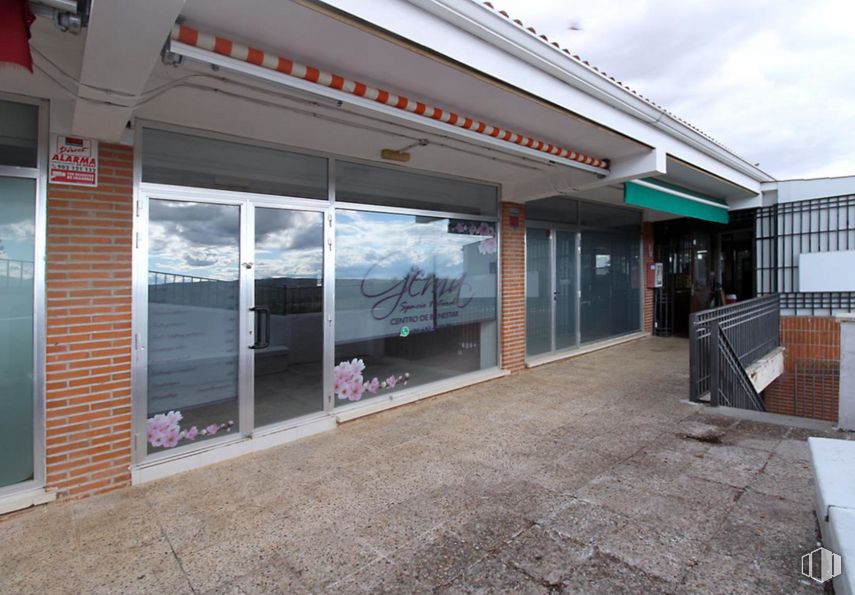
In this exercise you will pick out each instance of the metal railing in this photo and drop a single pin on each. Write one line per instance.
(751, 330)
(16, 273)
(175, 288)
(729, 382)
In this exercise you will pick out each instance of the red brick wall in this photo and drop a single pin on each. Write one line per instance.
(647, 256)
(88, 360)
(513, 288)
(809, 386)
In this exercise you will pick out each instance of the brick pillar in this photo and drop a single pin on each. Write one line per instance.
(88, 361)
(513, 287)
(647, 257)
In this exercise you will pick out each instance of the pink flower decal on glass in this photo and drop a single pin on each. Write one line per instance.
(486, 231)
(488, 246)
(350, 385)
(164, 430)
(347, 380)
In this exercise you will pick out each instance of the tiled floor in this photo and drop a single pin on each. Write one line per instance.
(574, 477)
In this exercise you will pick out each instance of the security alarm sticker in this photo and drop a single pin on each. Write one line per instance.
(73, 161)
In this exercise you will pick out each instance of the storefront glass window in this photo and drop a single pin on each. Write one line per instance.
(19, 124)
(17, 242)
(185, 160)
(609, 272)
(607, 295)
(388, 187)
(415, 301)
(193, 282)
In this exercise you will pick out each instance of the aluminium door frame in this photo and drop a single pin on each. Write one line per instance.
(39, 174)
(554, 228)
(325, 211)
(246, 202)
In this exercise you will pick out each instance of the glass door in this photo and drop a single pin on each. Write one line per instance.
(288, 312)
(565, 289)
(551, 290)
(538, 290)
(235, 307)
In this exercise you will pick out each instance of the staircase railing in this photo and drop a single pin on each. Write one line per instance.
(751, 329)
(729, 382)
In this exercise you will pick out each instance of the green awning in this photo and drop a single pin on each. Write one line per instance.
(673, 199)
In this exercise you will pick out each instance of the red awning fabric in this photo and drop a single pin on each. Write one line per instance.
(15, 20)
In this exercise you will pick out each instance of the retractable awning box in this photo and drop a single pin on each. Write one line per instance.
(665, 197)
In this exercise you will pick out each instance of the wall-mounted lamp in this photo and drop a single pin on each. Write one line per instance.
(401, 154)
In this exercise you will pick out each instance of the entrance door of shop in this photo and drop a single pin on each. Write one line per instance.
(288, 311)
(552, 284)
(236, 329)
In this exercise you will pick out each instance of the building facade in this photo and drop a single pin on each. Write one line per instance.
(222, 239)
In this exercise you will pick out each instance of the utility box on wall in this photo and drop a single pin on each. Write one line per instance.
(655, 271)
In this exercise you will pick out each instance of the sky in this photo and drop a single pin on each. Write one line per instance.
(773, 80)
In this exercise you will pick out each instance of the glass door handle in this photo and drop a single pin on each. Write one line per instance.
(262, 327)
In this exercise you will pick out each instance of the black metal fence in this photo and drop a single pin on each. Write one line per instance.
(750, 330)
(785, 231)
(815, 386)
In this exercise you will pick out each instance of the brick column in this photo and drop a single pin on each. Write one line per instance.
(513, 287)
(646, 257)
(88, 360)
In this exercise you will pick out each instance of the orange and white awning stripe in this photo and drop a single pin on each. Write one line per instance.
(226, 47)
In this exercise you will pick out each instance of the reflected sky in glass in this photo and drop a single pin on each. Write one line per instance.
(16, 226)
(198, 240)
(394, 243)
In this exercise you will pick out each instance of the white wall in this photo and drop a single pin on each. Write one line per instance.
(795, 190)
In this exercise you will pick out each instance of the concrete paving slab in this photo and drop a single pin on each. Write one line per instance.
(492, 577)
(574, 477)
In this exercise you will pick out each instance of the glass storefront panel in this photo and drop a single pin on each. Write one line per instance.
(594, 291)
(289, 314)
(193, 323)
(387, 187)
(565, 289)
(200, 162)
(610, 302)
(538, 291)
(17, 246)
(415, 301)
(19, 125)
(557, 209)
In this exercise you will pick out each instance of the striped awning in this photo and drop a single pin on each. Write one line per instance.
(661, 196)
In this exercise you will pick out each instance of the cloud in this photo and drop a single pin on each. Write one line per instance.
(394, 243)
(771, 80)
